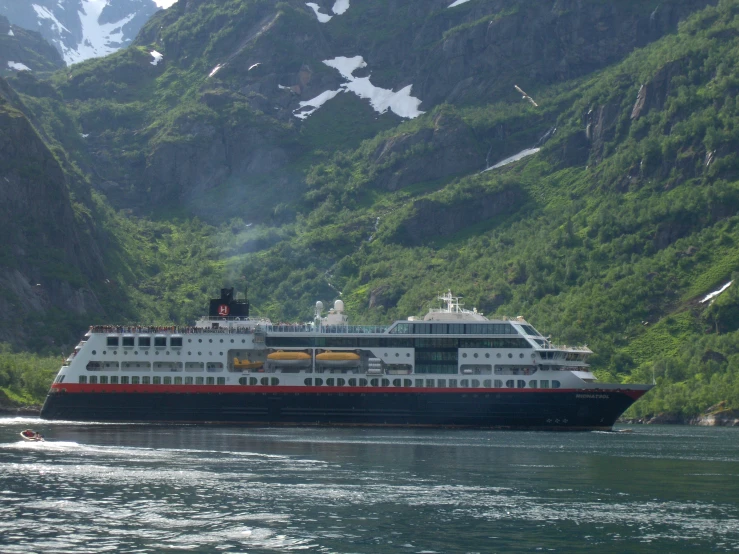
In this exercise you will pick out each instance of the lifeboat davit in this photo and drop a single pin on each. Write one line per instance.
(246, 364)
(338, 358)
(288, 358)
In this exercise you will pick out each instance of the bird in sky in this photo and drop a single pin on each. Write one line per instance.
(526, 96)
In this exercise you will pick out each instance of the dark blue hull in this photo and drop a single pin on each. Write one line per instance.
(566, 409)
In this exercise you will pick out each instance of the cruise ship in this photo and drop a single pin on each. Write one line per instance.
(452, 368)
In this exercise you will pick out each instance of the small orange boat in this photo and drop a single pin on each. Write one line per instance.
(246, 364)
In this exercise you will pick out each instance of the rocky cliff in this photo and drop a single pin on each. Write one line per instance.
(22, 50)
(81, 29)
(47, 260)
(257, 76)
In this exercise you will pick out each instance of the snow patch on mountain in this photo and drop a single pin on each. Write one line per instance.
(520, 156)
(81, 29)
(98, 39)
(18, 66)
(400, 103)
(346, 66)
(339, 7)
(715, 293)
(157, 57)
(315, 103)
(457, 3)
(322, 17)
(44, 13)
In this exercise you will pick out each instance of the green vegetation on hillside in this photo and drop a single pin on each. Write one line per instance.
(611, 235)
(613, 240)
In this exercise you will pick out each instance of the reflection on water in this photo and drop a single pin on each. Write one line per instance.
(154, 488)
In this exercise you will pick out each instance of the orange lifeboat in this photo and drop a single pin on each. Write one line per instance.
(246, 364)
(289, 358)
(338, 358)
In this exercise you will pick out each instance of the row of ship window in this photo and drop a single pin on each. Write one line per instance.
(146, 380)
(396, 342)
(95, 365)
(429, 383)
(456, 329)
(145, 342)
(317, 382)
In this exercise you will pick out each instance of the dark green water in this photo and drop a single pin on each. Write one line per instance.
(146, 488)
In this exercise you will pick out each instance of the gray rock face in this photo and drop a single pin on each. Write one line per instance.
(81, 29)
(549, 43)
(44, 262)
(449, 148)
(431, 219)
(273, 61)
(23, 50)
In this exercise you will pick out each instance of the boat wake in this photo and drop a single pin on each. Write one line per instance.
(41, 445)
(27, 421)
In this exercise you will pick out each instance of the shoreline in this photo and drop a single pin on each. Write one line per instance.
(33, 410)
(725, 418)
(721, 418)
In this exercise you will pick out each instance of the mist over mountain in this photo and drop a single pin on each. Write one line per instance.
(571, 161)
(81, 29)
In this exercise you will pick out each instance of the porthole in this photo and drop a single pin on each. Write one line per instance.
(93, 352)
(396, 354)
(210, 340)
(520, 355)
(385, 354)
(104, 352)
(210, 353)
(189, 340)
(464, 355)
(189, 353)
(115, 351)
(475, 354)
(243, 341)
(220, 353)
(408, 355)
(200, 340)
(487, 355)
(498, 355)
(200, 353)
(232, 341)
(156, 353)
(510, 355)
(167, 352)
(135, 352)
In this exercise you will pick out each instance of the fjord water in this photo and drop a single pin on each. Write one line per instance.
(154, 488)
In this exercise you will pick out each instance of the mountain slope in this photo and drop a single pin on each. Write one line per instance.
(81, 29)
(605, 214)
(22, 50)
(244, 94)
(48, 259)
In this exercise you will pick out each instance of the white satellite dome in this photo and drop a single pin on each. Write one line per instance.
(339, 306)
(319, 306)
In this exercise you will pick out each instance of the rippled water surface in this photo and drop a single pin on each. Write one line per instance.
(150, 488)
